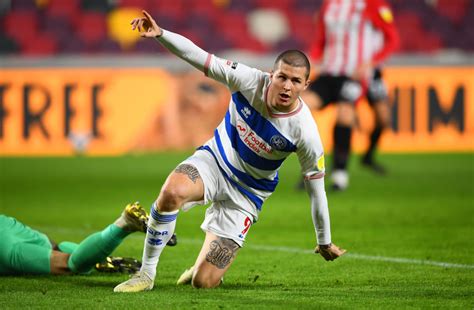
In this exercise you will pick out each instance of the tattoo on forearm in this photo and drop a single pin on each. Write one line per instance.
(190, 171)
(222, 252)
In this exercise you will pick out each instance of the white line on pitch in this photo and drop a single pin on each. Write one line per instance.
(367, 257)
(351, 255)
(397, 260)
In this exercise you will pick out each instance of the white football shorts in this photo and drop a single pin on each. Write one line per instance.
(231, 213)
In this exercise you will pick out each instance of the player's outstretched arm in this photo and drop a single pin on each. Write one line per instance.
(320, 214)
(175, 43)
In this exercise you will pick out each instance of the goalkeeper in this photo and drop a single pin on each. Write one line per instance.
(24, 250)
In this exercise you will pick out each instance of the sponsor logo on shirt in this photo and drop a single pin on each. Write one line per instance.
(250, 138)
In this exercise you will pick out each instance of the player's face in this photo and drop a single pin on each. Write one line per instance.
(287, 84)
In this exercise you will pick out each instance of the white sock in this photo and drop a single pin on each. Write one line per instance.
(161, 227)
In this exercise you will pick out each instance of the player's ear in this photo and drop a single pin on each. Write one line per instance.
(306, 84)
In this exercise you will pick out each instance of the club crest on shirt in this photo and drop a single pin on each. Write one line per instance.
(278, 142)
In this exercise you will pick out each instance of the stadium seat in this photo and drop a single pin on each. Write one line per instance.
(175, 8)
(309, 6)
(290, 43)
(232, 25)
(281, 5)
(63, 8)
(204, 8)
(29, 25)
(91, 28)
(56, 25)
(107, 46)
(96, 5)
(40, 45)
(453, 10)
(144, 46)
(241, 6)
(137, 4)
(423, 25)
(24, 5)
(72, 46)
(302, 25)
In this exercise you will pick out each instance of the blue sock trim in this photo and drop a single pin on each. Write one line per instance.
(162, 218)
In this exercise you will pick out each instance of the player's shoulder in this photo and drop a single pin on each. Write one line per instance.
(302, 123)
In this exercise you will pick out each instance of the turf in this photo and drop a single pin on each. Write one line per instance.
(421, 212)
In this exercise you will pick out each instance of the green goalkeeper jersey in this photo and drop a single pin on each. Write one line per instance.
(22, 247)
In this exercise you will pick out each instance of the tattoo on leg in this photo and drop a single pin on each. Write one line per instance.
(222, 252)
(190, 171)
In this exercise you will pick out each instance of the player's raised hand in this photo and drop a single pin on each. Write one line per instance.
(147, 26)
(330, 251)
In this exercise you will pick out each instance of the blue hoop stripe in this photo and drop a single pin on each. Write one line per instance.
(244, 151)
(161, 218)
(254, 198)
(259, 184)
(263, 127)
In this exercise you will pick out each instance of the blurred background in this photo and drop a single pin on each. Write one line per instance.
(72, 72)
(84, 27)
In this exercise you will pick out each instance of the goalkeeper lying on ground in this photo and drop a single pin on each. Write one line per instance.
(24, 250)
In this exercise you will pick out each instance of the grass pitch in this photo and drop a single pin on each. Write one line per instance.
(409, 236)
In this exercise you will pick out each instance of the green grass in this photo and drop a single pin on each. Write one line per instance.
(422, 211)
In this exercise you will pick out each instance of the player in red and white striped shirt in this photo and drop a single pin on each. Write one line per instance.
(353, 37)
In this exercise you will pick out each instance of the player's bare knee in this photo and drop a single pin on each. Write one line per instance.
(171, 198)
(205, 281)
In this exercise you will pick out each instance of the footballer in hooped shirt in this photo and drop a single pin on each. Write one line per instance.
(237, 169)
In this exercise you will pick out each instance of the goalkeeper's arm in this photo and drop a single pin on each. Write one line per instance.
(320, 215)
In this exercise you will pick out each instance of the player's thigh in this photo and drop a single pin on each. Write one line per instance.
(382, 113)
(184, 184)
(215, 258)
(345, 114)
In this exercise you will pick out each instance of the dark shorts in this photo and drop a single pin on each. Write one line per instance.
(333, 89)
(377, 90)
